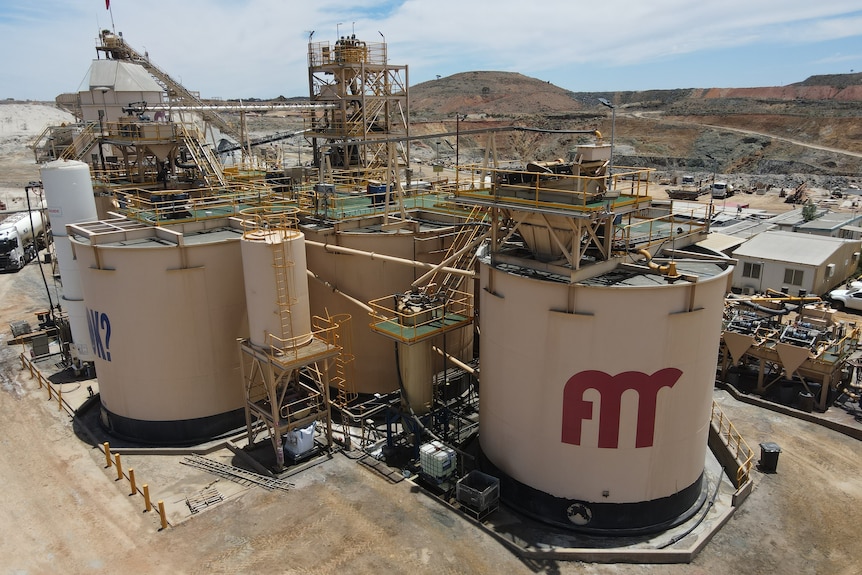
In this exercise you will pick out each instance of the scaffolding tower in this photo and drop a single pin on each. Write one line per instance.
(368, 104)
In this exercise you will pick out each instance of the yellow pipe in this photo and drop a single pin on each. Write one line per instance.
(669, 269)
(147, 504)
(107, 449)
(119, 466)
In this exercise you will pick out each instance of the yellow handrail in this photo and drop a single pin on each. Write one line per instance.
(740, 450)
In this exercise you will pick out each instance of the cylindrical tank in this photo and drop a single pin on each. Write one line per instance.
(417, 375)
(415, 364)
(368, 279)
(276, 287)
(69, 196)
(596, 396)
(166, 306)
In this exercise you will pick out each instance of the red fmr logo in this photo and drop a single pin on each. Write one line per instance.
(611, 389)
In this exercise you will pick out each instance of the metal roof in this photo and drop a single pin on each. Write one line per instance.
(120, 76)
(830, 221)
(806, 249)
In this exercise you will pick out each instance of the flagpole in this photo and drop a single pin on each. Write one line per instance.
(108, 6)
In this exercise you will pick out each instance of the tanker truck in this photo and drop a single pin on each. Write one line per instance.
(19, 241)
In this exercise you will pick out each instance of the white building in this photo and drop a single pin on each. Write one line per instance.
(795, 262)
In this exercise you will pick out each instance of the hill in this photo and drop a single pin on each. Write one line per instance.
(813, 127)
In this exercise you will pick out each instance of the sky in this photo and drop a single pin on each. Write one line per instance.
(257, 48)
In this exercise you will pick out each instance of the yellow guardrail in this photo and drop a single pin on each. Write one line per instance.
(110, 459)
(739, 449)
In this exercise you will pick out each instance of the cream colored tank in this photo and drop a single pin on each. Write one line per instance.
(367, 279)
(276, 287)
(596, 397)
(166, 306)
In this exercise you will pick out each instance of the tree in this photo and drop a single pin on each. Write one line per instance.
(809, 211)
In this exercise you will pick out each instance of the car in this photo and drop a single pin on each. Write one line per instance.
(847, 298)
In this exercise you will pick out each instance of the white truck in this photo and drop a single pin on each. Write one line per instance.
(19, 241)
(721, 190)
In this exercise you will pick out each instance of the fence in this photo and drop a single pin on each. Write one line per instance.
(110, 459)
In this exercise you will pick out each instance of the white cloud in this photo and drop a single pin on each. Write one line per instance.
(243, 48)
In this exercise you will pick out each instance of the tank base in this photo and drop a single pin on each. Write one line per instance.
(600, 518)
(179, 432)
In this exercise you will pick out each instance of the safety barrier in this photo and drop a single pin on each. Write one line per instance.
(110, 459)
(737, 448)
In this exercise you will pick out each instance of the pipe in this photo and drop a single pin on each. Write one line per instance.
(451, 258)
(361, 304)
(668, 269)
(373, 255)
(456, 361)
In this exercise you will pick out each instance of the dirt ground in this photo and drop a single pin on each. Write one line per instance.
(65, 511)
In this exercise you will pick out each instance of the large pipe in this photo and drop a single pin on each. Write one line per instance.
(350, 298)
(456, 361)
(374, 255)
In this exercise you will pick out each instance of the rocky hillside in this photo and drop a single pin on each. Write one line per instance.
(812, 128)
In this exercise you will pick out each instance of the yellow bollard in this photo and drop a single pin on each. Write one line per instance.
(119, 466)
(59, 399)
(49, 392)
(132, 480)
(162, 513)
(107, 449)
(147, 504)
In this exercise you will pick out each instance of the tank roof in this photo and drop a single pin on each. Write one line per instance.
(127, 233)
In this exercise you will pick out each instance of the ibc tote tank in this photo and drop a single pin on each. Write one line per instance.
(596, 396)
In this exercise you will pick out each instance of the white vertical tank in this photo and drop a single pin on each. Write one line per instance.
(276, 285)
(596, 396)
(69, 196)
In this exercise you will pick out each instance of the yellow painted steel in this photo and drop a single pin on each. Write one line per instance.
(106, 446)
(740, 450)
(119, 464)
(147, 504)
(163, 516)
(132, 481)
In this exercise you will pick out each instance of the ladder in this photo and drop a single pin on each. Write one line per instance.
(235, 474)
(283, 265)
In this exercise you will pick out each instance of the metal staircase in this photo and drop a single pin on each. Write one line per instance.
(462, 253)
(203, 157)
(81, 144)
